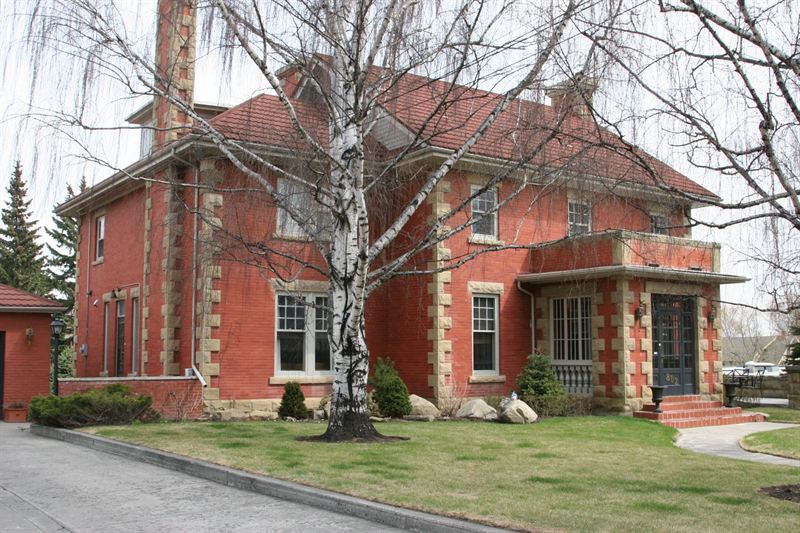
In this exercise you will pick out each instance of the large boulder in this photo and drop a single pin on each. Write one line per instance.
(477, 409)
(422, 407)
(516, 412)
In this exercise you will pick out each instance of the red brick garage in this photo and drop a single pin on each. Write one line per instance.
(24, 345)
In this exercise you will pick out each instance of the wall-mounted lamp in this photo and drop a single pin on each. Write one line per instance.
(712, 313)
(639, 312)
(29, 335)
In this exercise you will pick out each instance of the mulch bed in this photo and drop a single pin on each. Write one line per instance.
(783, 492)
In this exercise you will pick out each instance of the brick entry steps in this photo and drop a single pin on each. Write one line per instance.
(683, 412)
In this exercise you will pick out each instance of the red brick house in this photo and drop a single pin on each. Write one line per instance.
(24, 345)
(621, 298)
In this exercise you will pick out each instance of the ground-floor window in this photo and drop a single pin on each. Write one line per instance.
(571, 342)
(302, 334)
(484, 334)
(571, 326)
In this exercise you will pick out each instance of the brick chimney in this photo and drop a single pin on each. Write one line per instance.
(573, 95)
(175, 57)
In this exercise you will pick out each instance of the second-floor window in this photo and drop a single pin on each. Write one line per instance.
(484, 212)
(292, 197)
(579, 217)
(659, 224)
(100, 237)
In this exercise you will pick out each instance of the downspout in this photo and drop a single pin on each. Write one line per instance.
(88, 292)
(533, 315)
(193, 354)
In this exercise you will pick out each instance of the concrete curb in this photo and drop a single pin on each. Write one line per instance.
(286, 490)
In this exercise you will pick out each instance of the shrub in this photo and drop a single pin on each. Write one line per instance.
(391, 394)
(111, 405)
(293, 402)
(538, 379)
(560, 405)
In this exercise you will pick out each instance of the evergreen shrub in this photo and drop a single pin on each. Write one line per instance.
(293, 402)
(390, 393)
(113, 404)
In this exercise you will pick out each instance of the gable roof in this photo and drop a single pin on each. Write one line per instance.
(19, 301)
(446, 115)
(766, 348)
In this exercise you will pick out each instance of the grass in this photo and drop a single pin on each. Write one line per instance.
(783, 442)
(779, 414)
(575, 474)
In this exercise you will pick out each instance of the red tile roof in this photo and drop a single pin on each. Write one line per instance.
(578, 145)
(18, 299)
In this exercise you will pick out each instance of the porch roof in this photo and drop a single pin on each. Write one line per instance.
(630, 271)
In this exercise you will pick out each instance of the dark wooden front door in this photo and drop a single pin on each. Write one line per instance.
(674, 344)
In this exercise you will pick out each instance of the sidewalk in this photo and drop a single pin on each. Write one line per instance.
(724, 441)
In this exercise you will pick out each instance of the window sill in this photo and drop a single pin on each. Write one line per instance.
(485, 239)
(486, 379)
(291, 237)
(302, 380)
(98, 261)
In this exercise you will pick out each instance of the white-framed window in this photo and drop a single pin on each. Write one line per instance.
(99, 237)
(485, 334)
(579, 218)
(135, 335)
(146, 146)
(571, 329)
(484, 212)
(301, 344)
(291, 195)
(106, 318)
(659, 224)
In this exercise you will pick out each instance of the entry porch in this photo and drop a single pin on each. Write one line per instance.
(618, 311)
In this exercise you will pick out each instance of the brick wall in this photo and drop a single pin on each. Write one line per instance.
(27, 364)
(176, 398)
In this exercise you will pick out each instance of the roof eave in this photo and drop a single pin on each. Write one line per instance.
(31, 309)
(76, 206)
(633, 271)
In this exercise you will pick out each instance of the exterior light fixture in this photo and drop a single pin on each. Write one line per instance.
(639, 312)
(56, 328)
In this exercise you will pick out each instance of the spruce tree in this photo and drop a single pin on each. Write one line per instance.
(21, 261)
(61, 267)
(62, 252)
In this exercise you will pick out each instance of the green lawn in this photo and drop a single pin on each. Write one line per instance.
(783, 442)
(575, 474)
(779, 414)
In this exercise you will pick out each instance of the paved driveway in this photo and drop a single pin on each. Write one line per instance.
(48, 485)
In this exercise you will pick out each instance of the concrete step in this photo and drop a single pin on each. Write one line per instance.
(719, 421)
(682, 406)
(681, 414)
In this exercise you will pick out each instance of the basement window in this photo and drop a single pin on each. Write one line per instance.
(302, 334)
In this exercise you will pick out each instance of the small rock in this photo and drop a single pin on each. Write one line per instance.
(477, 409)
(290, 419)
(263, 415)
(422, 407)
(376, 419)
(419, 418)
(516, 412)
